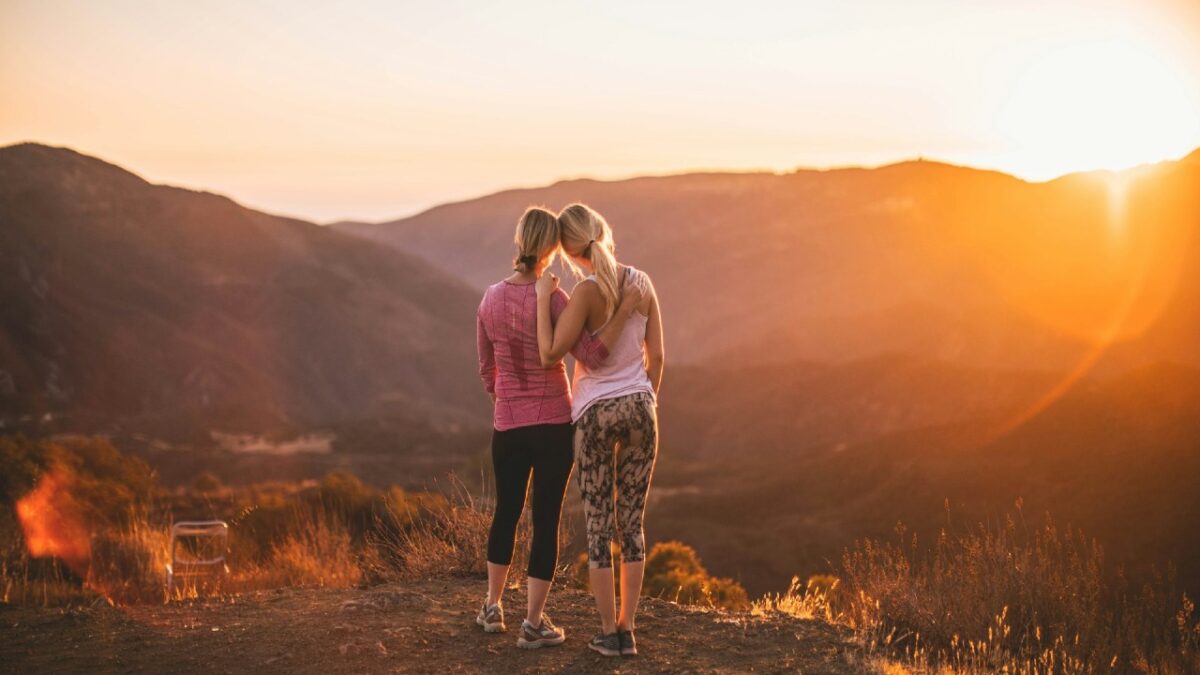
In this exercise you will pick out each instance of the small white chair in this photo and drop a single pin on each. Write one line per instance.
(216, 530)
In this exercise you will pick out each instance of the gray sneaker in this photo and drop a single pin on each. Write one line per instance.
(628, 644)
(545, 635)
(491, 618)
(608, 645)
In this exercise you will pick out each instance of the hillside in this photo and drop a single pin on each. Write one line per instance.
(1118, 458)
(938, 261)
(852, 348)
(132, 307)
(913, 372)
(422, 627)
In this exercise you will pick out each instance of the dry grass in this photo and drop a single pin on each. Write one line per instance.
(803, 600)
(446, 536)
(126, 566)
(1007, 598)
(338, 534)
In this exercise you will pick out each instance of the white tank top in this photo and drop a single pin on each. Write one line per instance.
(621, 374)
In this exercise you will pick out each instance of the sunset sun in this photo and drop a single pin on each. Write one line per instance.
(1100, 105)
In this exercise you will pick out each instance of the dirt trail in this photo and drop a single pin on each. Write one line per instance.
(421, 627)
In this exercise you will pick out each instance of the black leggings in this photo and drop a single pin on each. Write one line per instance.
(546, 451)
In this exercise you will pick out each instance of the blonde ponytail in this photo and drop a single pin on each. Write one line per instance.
(536, 239)
(585, 229)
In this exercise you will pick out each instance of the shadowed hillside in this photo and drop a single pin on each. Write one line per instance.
(1119, 458)
(131, 306)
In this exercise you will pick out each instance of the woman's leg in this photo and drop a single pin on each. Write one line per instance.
(511, 466)
(553, 459)
(594, 457)
(635, 466)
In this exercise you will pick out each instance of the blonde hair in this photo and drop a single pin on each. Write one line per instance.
(583, 226)
(536, 239)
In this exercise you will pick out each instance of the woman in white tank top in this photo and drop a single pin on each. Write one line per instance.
(615, 411)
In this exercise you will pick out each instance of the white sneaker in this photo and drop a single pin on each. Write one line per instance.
(545, 635)
(491, 618)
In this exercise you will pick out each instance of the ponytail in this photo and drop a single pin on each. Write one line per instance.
(536, 238)
(583, 225)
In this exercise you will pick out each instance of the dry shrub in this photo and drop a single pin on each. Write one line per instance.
(315, 551)
(44, 582)
(674, 572)
(127, 564)
(814, 599)
(1023, 599)
(444, 535)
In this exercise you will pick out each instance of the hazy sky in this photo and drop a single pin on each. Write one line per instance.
(375, 110)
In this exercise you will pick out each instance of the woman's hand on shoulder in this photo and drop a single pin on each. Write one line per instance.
(546, 284)
(631, 298)
(640, 280)
(637, 288)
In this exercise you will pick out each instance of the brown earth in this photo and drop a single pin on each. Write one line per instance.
(425, 626)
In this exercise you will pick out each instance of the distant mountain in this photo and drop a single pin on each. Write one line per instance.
(938, 261)
(127, 305)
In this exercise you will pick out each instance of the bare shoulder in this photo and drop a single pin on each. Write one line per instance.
(642, 280)
(586, 289)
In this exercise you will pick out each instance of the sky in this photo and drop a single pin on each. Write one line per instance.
(377, 110)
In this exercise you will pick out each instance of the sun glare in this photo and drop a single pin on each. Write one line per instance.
(1100, 105)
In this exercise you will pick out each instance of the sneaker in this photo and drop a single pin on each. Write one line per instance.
(608, 645)
(628, 644)
(545, 635)
(491, 618)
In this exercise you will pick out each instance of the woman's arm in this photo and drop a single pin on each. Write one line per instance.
(592, 351)
(557, 337)
(487, 355)
(553, 342)
(655, 352)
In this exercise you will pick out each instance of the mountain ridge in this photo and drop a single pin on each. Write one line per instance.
(125, 299)
(826, 257)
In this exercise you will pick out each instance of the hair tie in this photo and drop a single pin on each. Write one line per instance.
(527, 260)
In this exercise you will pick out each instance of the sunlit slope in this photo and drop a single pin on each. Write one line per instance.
(940, 261)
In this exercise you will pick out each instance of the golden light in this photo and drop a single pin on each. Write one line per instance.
(1100, 105)
(1118, 196)
(51, 521)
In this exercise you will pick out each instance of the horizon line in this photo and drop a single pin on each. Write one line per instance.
(691, 171)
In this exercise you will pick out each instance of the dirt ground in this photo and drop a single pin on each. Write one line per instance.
(413, 628)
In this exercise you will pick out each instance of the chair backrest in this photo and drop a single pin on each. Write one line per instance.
(217, 529)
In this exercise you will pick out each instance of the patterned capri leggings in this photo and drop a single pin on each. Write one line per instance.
(616, 441)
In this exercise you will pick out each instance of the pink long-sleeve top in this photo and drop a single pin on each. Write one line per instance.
(510, 365)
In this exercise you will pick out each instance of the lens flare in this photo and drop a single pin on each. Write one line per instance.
(52, 523)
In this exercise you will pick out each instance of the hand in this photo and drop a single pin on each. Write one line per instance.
(546, 284)
(631, 297)
(636, 288)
